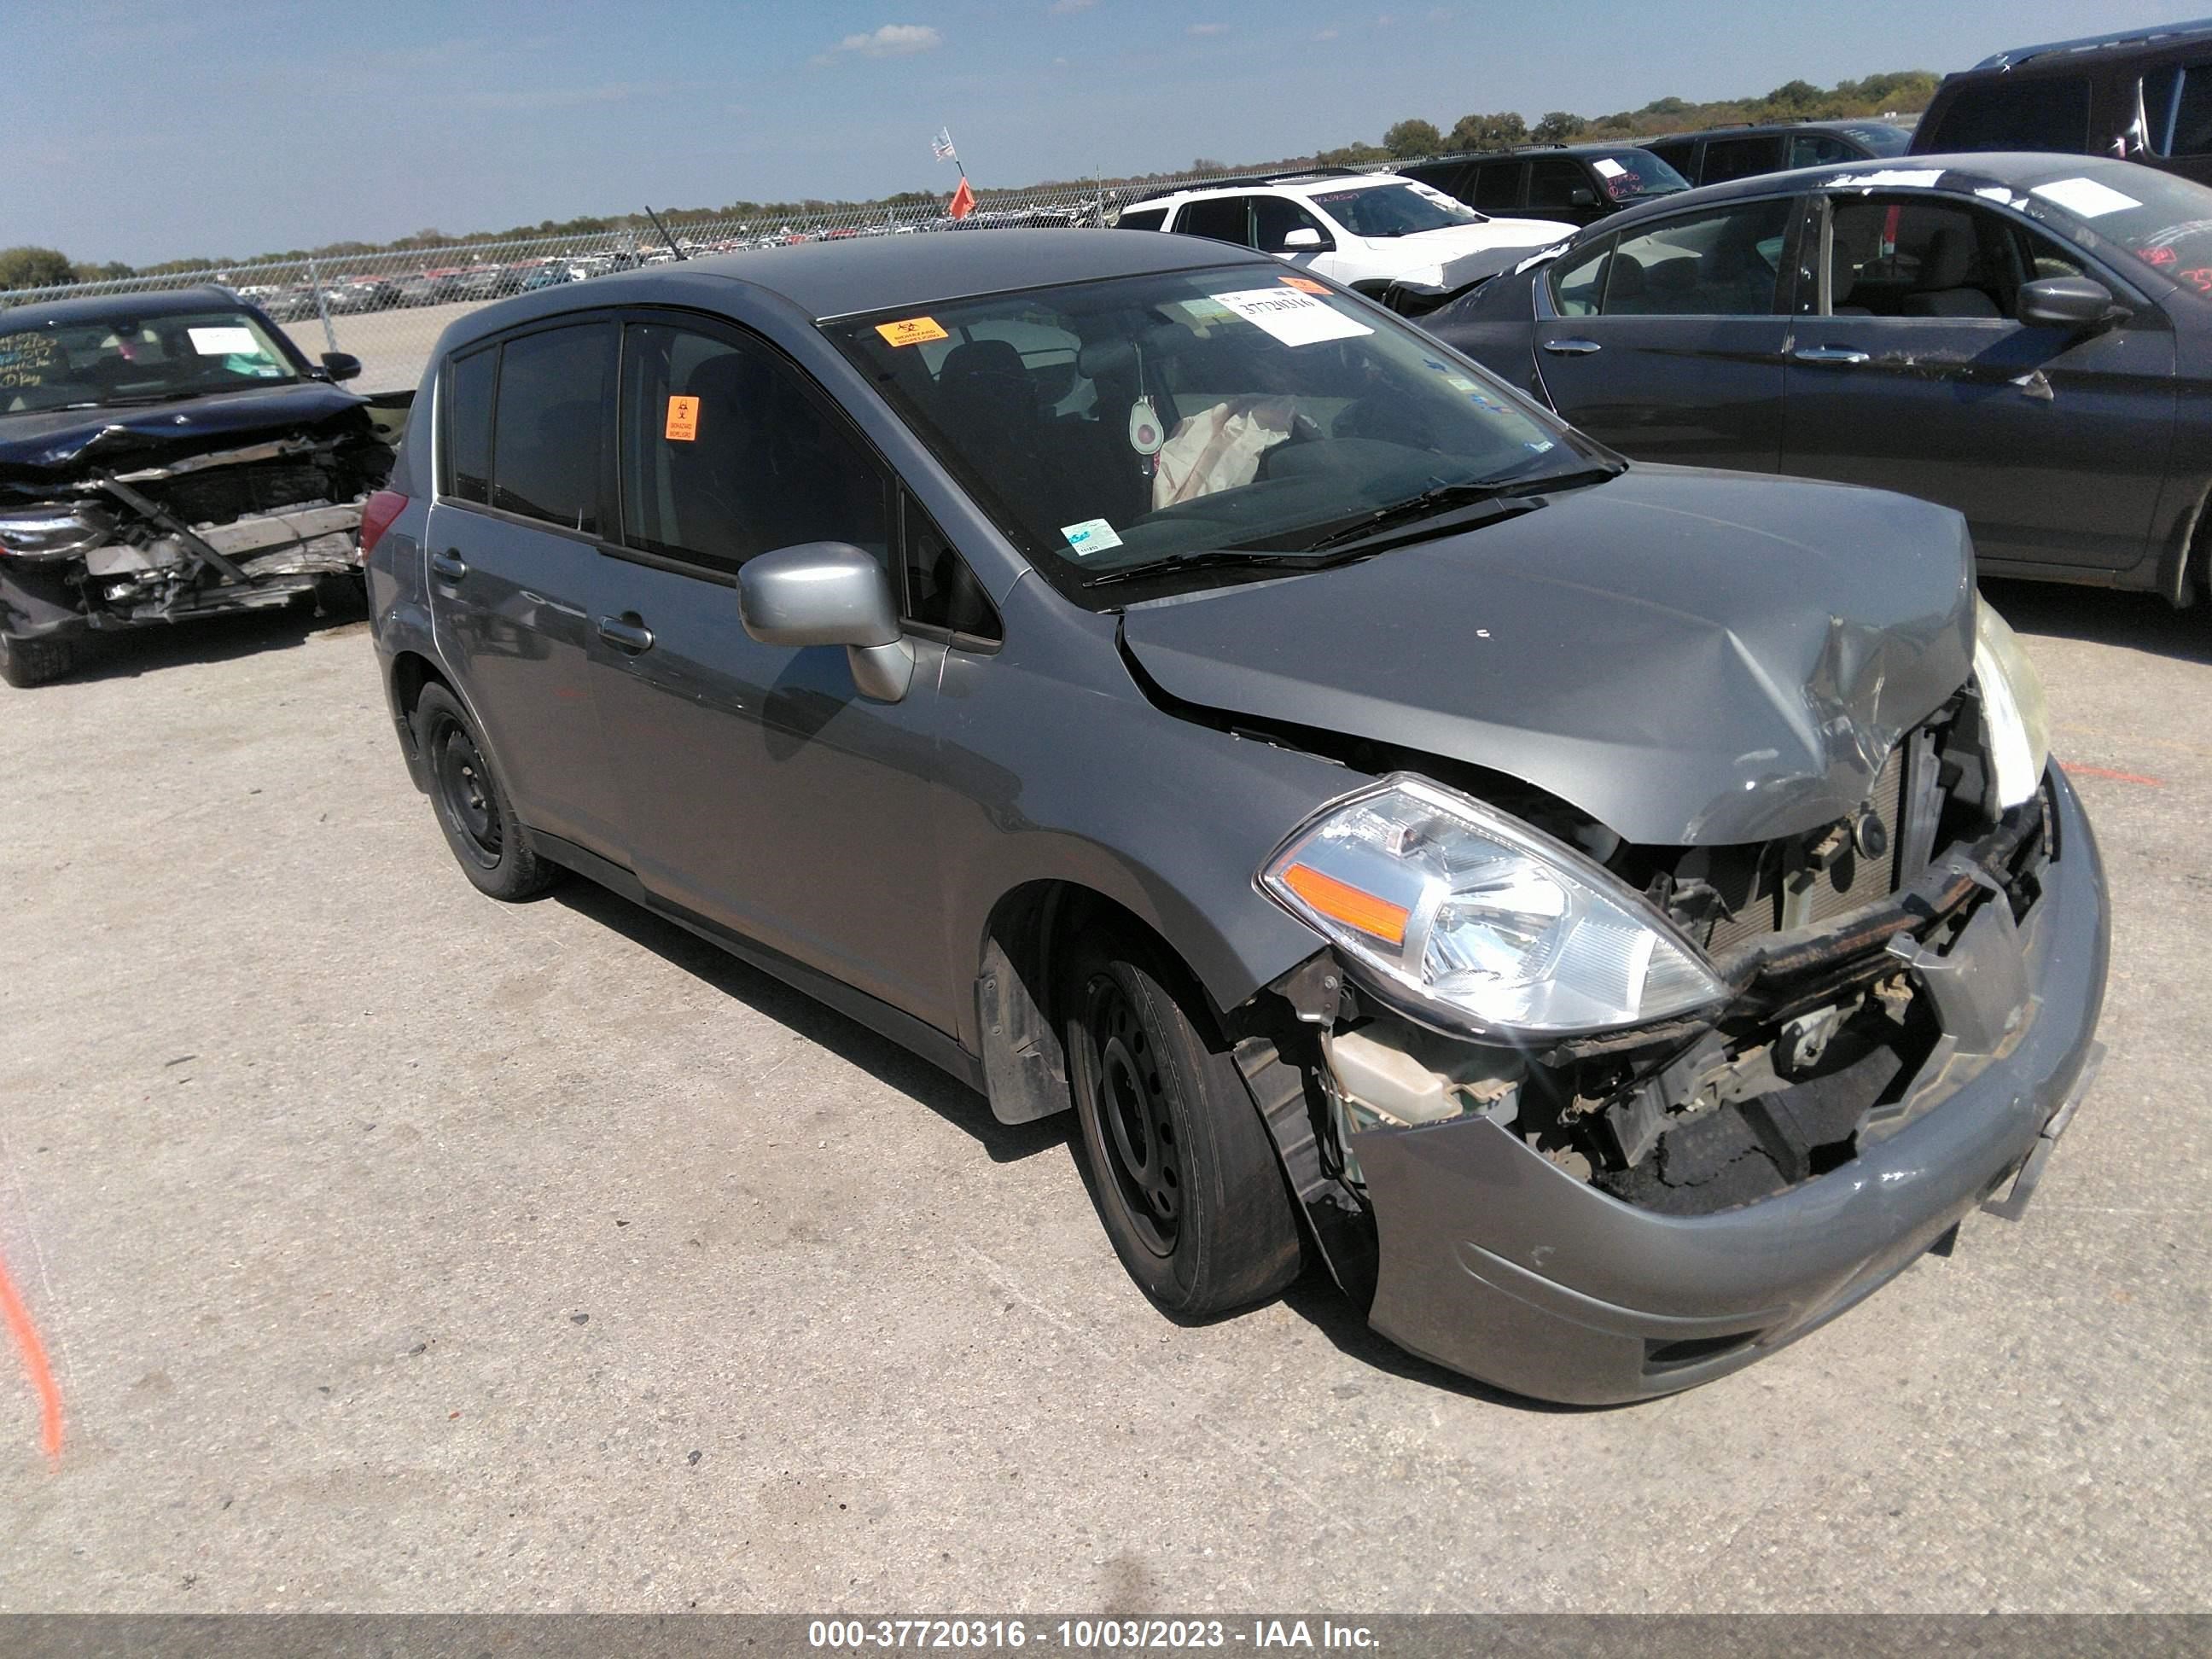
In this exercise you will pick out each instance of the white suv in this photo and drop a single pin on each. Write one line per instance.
(1365, 230)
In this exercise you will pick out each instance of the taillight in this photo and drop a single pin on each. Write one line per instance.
(377, 513)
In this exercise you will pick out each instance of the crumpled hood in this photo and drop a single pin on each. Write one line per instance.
(56, 444)
(1454, 241)
(1691, 658)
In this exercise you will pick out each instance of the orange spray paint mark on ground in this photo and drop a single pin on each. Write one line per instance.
(2074, 769)
(34, 1364)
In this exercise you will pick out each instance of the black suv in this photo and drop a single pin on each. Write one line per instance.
(1720, 153)
(1573, 184)
(2144, 95)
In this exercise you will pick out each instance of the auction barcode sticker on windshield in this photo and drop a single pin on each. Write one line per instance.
(224, 341)
(1293, 318)
(1091, 536)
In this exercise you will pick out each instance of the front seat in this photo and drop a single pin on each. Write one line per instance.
(991, 405)
(1949, 278)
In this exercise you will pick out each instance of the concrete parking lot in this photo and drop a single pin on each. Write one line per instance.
(395, 1249)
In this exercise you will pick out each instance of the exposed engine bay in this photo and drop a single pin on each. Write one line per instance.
(232, 529)
(1836, 944)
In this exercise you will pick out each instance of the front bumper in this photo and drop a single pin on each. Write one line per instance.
(1499, 1264)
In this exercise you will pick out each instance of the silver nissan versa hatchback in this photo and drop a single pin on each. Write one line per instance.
(1617, 917)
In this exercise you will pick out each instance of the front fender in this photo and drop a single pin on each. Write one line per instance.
(1054, 768)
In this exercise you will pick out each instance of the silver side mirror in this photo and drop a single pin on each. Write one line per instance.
(829, 593)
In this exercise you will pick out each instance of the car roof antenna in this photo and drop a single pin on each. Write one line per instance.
(665, 236)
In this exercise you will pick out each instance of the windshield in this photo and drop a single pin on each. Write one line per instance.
(1631, 174)
(1397, 209)
(2159, 218)
(126, 360)
(1109, 424)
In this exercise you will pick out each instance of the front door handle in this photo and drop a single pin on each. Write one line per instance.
(1830, 354)
(448, 566)
(1574, 348)
(627, 632)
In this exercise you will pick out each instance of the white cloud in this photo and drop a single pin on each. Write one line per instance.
(1069, 8)
(1209, 29)
(892, 40)
(1325, 35)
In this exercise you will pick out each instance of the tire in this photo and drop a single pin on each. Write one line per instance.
(488, 840)
(1178, 1161)
(25, 662)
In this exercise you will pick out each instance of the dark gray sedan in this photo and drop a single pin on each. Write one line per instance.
(2027, 339)
(1615, 917)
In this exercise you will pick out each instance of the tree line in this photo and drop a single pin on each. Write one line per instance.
(1900, 92)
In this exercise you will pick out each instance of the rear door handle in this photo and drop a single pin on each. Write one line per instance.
(1575, 347)
(1830, 354)
(448, 566)
(626, 634)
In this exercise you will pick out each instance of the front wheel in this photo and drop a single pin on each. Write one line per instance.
(26, 663)
(1180, 1164)
(487, 839)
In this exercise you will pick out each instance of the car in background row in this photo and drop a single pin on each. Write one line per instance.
(166, 457)
(2143, 95)
(2026, 337)
(1366, 230)
(1573, 184)
(1720, 153)
(1621, 915)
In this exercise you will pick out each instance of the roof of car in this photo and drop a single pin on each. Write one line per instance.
(1311, 179)
(1760, 128)
(842, 278)
(1945, 174)
(161, 302)
(2067, 53)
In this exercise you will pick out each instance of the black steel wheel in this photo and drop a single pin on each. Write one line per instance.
(1175, 1154)
(473, 806)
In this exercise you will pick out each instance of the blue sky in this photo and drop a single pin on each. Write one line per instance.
(255, 125)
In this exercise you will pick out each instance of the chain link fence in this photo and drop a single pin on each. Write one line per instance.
(388, 308)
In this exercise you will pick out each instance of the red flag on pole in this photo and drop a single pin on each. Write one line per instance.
(963, 200)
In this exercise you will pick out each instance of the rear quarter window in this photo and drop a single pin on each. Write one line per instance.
(549, 430)
(466, 406)
(1141, 219)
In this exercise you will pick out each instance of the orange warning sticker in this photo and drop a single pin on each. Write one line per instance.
(683, 420)
(911, 331)
(1305, 284)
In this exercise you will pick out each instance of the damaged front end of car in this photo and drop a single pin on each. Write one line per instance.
(1594, 1121)
(118, 534)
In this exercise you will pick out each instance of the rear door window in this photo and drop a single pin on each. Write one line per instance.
(725, 452)
(2052, 112)
(1576, 280)
(466, 440)
(549, 455)
(1498, 186)
(1218, 218)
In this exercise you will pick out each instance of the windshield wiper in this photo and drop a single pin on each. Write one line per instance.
(142, 399)
(1216, 558)
(1440, 499)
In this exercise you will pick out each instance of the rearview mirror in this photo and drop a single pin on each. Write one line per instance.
(2066, 302)
(829, 593)
(1305, 236)
(1581, 195)
(341, 365)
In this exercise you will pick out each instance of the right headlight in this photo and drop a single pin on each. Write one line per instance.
(61, 532)
(2017, 719)
(1469, 921)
